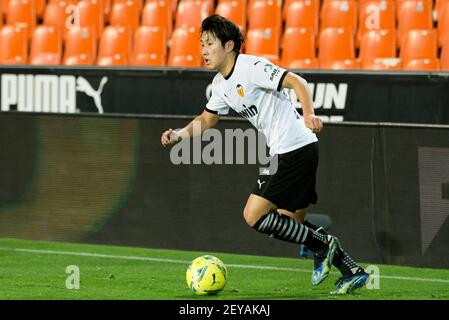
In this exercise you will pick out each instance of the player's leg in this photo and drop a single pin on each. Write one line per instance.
(261, 214)
(353, 275)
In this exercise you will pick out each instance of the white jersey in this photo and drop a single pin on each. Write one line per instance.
(253, 89)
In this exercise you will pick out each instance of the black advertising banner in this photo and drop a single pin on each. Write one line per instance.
(383, 186)
(338, 96)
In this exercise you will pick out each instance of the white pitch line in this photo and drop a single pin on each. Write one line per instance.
(245, 266)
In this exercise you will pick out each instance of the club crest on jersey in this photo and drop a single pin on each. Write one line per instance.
(240, 90)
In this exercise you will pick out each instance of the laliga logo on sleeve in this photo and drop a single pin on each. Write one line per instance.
(268, 68)
(240, 90)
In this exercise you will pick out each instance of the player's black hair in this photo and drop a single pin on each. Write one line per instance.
(223, 29)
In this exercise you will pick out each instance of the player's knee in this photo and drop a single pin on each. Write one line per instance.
(250, 216)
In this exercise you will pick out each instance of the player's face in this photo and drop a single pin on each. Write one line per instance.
(213, 51)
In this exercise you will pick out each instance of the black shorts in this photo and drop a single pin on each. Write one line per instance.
(292, 187)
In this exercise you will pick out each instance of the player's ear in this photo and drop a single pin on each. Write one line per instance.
(229, 46)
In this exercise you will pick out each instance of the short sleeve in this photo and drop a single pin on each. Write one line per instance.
(266, 75)
(216, 104)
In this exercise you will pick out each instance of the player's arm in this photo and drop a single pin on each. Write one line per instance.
(203, 122)
(299, 85)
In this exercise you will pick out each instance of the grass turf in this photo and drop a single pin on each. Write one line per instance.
(37, 270)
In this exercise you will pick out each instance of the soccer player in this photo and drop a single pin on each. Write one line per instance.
(254, 87)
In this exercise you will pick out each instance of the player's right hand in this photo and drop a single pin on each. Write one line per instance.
(169, 137)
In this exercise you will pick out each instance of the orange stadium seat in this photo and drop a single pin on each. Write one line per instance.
(445, 55)
(378, 50)
(414, 14)
(46, 46)
(192, 12)
(443, 25)
(185, 49)
(302, 14)
(158, 13)
(234, 10)
(369, 10)
(150, 47)
(13, 45)
(419, 45)
(1, 14)
(263, 42)
(22, 13)
(91, 14)
(339, 13)
(57, 15)
(337, 50)
(265, 14)
(125, 14)
(80, 46)
(298, 49)
(114, 47)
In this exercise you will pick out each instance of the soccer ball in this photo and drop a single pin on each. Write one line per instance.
(206, 275)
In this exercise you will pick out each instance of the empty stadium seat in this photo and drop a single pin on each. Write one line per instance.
(13, 45)
(158, 13)
(192, 12)
(339, 13)
(114, 47)
(46, 46)
(443, 25)
(185, 49)
(150, 47)
(302, 14)
(378, 50)
(263, 42)
(419, 45)
(375, 15)
(80, 46)
(57, 15)
(265, 14)
(414, 14)
(336, 49)
(125, 14)
(22, 13)
(234, 10)
(298, 49)
(91, 14)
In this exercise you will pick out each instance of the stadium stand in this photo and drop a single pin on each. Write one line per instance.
(289, 32)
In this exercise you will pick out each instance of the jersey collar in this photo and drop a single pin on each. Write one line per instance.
(232, 70)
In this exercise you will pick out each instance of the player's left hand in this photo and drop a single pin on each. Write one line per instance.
(313, 123)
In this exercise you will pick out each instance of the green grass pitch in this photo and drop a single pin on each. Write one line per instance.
(37, 270)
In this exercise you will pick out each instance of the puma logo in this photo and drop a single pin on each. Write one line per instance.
(213, 279)
(83, 85)
(260, 183)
